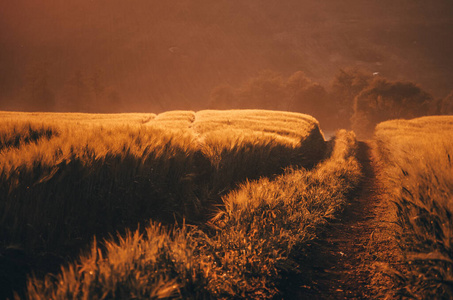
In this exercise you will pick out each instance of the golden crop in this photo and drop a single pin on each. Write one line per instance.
(419, 169)
(258, 185)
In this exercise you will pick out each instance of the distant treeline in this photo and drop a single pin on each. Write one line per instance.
(81, 92)
(155, 56)
(355, 99)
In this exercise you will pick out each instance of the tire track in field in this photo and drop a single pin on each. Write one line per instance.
(339, 262)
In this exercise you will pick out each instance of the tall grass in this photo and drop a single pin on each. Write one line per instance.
(252, 240)
(266, 223)
(236, 156)
(156, 264)
(96, 175)
(175, 119)
(80, 119)
(14, 134)
(57, 192)
(418, 156)
(249, 144)
(286, 124)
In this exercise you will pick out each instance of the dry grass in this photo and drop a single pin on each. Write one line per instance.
(156, 264)
(248, 144)
(419, 168)
(266, 223)
(67, 177)
(177, 119)
(78, 118)
(14, 134)
(285, 124)
(253, 240)
(63, 190)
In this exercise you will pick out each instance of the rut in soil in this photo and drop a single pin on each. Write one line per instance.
(338, 262)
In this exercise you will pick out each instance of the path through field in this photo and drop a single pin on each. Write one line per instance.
(339, 261)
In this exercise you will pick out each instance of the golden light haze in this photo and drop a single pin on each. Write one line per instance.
(143, 56)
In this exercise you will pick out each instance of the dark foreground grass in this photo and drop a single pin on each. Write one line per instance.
(253, 240)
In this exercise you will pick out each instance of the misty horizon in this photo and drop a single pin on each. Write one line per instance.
(111, 56)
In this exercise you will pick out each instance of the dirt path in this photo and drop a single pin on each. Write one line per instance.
(340, 261)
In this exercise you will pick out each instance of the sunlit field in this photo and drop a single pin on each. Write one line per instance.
(66, 178)
(214, 204)
(418, 163)
(253, 239)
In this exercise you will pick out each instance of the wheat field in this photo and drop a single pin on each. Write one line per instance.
(243, 252)
(418, 167)
(67, 178)
(131, 167)
(208, 204)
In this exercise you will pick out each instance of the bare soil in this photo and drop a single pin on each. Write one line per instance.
(341, 263)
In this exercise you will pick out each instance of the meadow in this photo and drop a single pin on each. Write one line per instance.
(66, 178)
(417, 156)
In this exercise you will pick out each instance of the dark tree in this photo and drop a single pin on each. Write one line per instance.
(446, 105)
(77, 93)
(223, 97)
(38, 95)
(309, 97)
(271, 90)
(347, 84)
(97, 86)
(385, 100)
(266, 91)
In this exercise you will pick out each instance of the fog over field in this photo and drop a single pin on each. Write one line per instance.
(152, 56)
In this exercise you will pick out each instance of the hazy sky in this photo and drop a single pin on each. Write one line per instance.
(158, 55)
